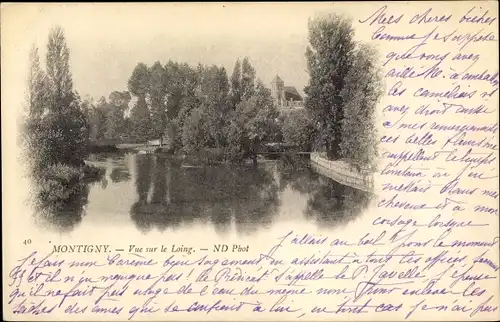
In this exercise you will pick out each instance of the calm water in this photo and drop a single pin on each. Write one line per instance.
(153, 192)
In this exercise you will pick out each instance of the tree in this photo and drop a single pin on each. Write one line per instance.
(329, 59)
(247, 79)
(138, 83)
(115, 114)
(97, 119)
(214, 91)
(60, 133)
(157, 97)
(361, 93)
(114, 122)
(58, 71)
(188, 104)
(120, 99)
(36, 104)
(214, 84)
(298, 129)
(256, 116)
(93, 118)
(194, 136)
(180, 82)
(36, 86)
(236, 84)
(140, 120)
(234, 138)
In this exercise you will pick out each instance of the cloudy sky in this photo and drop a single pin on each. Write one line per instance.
(107, 41)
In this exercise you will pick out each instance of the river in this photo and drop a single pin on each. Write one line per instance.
(160, 193)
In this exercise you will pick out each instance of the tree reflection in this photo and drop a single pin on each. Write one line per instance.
(329, 203)
(334, 203)
(104, 183)
(170, 196)
(294, 171)
(119, 174)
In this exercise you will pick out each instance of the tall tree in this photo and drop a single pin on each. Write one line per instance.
(329, 58)
(361, 93)
(36, 84)
(256, 116)
(138, 83)
(194, 135)
(180, 82)
(188, 104)
(140, 119)
(66, 124)
(58, 71)
(247, 79)
(215, 85)
(236, 84)
(35, 105)
(214, 91)
(157, 97)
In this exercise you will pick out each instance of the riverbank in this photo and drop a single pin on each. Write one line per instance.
(207, 156)
(342, 172)
(59, 185)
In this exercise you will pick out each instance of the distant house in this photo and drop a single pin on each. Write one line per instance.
(155, 142)
(285, 97)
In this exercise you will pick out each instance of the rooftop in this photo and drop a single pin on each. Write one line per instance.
(277, 79)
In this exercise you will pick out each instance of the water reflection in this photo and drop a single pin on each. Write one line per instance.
(333, 203)
(329, 203)
(119, 174)
(171, 195)
(154, 192)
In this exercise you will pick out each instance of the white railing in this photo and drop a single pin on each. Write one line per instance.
(342, 172)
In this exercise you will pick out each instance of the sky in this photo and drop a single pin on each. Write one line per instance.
(107, 41)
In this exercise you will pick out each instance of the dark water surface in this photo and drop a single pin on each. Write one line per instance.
(155, 192)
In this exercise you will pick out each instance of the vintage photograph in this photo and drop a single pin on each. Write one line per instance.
(173, 125)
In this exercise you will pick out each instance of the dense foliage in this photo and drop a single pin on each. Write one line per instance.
(298, 130)
(56, 131)
(200, 108)
(343, 90)
(196, 109)
(56, 127)
(361, 94)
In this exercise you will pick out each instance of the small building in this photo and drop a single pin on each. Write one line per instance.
(285, 97)
(155, 142)
(166, 141)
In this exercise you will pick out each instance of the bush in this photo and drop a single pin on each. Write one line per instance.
(58, 184)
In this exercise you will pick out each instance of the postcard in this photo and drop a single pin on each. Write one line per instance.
(300, 161)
